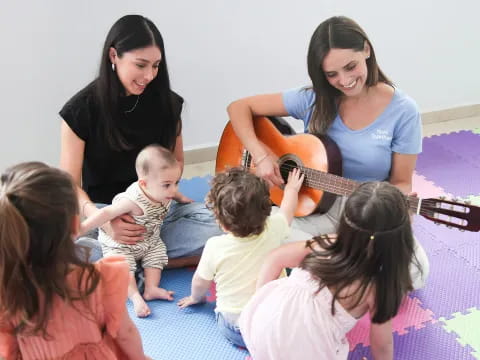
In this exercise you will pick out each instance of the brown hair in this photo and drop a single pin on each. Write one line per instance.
(338, 32)
(240, 202)
(37, 208)
(374, 246)
(154, 156)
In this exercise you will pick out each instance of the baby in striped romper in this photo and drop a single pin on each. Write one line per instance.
(147, 200)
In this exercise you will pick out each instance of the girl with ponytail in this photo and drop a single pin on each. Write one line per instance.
(54, 303)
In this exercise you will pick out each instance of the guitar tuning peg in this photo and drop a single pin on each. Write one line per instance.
(441, 197)
(449, 226)
(462, 230)
(467, 202)
(436, 223)
(454, 199)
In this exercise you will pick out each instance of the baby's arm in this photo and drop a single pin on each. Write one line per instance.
(200, 288)
(110, 212)
(128, 339)
(290, 194)
(288, 255)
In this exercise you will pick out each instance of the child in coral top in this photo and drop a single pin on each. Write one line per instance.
(54, 304)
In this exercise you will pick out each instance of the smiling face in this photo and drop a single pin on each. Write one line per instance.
(136, 68)
(346, 70)
(161, 184)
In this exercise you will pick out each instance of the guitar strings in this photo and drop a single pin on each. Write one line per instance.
(343, 186)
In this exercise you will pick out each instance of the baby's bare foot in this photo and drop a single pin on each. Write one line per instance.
(157, 293)
(140, 306)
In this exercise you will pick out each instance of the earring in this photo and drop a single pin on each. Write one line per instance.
(113, 67)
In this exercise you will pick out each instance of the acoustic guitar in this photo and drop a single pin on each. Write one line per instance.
(319, 158)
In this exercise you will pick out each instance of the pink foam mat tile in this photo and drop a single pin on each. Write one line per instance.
(427, 189)
(429, 343)
(410, 315)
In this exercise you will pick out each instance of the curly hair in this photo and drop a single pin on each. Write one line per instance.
(240, 201)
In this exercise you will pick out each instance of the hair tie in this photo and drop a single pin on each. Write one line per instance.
(375, 233)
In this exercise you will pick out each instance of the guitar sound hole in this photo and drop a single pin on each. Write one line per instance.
(286, 167)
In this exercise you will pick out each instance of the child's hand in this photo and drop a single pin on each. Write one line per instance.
(295, 180)
(187, 301)
(179, 197)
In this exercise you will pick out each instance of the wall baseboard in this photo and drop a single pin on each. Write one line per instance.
(209, 153)
(451, 114)
(194, 156)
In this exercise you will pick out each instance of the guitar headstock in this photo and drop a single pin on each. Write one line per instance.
(460, 215)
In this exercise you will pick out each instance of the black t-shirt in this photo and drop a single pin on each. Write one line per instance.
(107, 172)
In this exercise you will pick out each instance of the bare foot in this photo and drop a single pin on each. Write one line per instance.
(140, 306)
(157, 293)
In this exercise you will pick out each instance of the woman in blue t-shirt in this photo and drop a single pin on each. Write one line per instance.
(375, 125)
(105, 125)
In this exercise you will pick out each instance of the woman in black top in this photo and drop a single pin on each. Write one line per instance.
(105, 125)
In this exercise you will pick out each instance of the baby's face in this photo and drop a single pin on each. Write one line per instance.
(162, 185)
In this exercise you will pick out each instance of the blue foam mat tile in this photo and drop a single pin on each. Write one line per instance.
(428, 343)
(190, 334)
(195, 188)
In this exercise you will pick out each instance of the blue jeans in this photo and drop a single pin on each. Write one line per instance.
(229, 330)
(185, 230)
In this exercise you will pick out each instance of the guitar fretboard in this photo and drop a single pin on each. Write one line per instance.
(324, 181)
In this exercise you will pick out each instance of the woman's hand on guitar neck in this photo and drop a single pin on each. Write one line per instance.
(267, 168)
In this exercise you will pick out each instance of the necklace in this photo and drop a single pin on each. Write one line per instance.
(134, 106)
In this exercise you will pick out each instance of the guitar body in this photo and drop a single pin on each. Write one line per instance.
(302, 150)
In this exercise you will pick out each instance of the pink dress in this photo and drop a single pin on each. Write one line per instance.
(86, 333)
(286, 320)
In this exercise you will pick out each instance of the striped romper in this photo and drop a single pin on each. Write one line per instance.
(151, 251)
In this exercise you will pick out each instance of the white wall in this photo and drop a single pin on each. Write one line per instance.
(219, 51)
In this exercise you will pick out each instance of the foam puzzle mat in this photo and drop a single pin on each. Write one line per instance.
(440, 321)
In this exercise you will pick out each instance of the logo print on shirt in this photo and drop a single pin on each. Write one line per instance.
(380, 134)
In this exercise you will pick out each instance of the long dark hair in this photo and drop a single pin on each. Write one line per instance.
(37, 207)
(374, 246)
(338, 32)
(129, 33)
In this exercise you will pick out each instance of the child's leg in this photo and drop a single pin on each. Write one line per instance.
(139, 305)
(229, 330)
(153, 262)
(152, 290)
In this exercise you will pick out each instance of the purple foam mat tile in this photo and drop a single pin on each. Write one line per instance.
(463, 143)
(428, 343)
(430, 242)
(449, 171)
(452, 285)
(470, 253)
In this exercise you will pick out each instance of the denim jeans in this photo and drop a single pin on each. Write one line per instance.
(185, 230)
(229, 330)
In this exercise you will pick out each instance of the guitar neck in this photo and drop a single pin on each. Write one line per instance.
(331, 183)
(338, 185)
